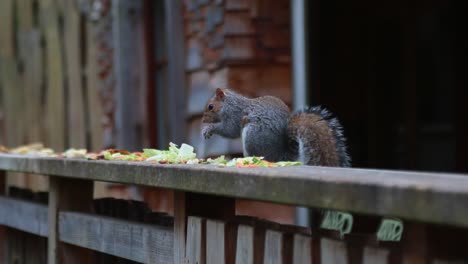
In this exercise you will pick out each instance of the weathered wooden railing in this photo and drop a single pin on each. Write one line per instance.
(429, 211)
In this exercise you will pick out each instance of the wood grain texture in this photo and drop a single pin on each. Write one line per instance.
(273, 247)
(6, 27)
(180, 220)
(127, 19)
(302, 249)
(245, 245)
(67, 194)
(94, 109)
(130, 240)
(25, 216)
(55, 97)
(429, 197)
(73, 59)
(215, 237)
(175, 69)
(333, 251)
(194, 252)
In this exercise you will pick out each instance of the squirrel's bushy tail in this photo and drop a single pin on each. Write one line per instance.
(316, 138)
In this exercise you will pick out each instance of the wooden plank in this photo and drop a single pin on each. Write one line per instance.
(175, 69)
(127, 18)
(73, 57)
(67, 194)
(6, 29)
(215, 242)
(26, 216)
(245, 245)
(429, 197)
(31, 53)
(130, 240)
(12, 98)
(302, 249)
(180, 220)
(55, 97)
(25, 15)
(31, 80)
(195, 245)
(333, 251)
(94, 111)
(375, 255)
(273, 247)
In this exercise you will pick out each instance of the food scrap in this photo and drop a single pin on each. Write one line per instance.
(185, 154)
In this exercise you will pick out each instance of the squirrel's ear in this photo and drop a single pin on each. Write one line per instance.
(220, 94)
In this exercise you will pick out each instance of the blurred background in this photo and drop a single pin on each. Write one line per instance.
(137, 73)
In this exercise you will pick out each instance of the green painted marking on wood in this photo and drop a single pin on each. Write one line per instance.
(390, 230)
(339, 221)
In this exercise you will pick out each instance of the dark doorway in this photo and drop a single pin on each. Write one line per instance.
(392, 72)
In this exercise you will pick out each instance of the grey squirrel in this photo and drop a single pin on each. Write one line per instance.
(268, 129)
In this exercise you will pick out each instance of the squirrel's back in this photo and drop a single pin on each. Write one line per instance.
(317, 138)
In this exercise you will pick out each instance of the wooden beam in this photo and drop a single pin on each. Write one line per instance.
(26, 216)
(130, 240)
(67, 194)
(428, 197)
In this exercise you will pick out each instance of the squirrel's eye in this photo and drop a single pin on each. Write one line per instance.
(211, 107)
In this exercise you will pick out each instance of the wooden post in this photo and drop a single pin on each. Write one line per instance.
(67, 195)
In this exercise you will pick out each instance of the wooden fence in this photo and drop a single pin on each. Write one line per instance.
(359, 216)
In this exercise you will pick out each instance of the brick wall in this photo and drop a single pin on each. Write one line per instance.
(238, 44)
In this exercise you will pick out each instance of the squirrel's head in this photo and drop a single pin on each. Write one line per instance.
(212, 108)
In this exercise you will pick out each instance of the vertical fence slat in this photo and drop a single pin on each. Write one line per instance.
(73, 195)
(195, 248)
(333, 251)
(302, 249)
(245, 245)
(273, 247)
(95, 110)
(55, 106)
(179, 227)
(215, 245)
(73, 56)
(127, 18)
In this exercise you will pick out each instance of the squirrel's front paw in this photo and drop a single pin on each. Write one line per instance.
(207, 132)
